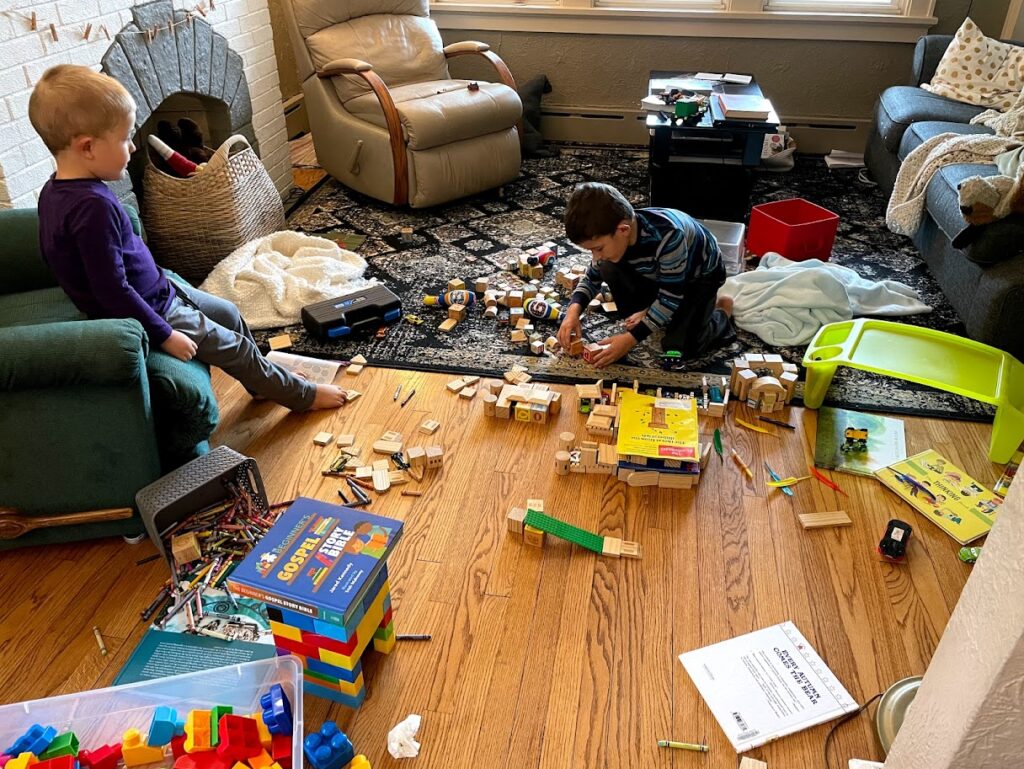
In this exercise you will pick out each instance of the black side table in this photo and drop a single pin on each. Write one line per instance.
(705, 168)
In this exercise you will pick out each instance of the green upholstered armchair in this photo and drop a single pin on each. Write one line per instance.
(89, 414)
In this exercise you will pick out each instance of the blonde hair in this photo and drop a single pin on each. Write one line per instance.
(70, 100)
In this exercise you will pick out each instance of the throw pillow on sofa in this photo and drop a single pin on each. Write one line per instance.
(979, 70)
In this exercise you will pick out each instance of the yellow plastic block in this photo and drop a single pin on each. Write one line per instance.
(286, 631)
(359, 762)
(266, 740)
(136, 752)
(352, 689)
(364, 632)
(197, 731)
(385, 646)
(22, 760)
(259, 761)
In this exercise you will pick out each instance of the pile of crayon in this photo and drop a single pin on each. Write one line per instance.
(226, 532)
(331, 650)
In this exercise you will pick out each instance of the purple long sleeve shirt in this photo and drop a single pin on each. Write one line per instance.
(106, 269)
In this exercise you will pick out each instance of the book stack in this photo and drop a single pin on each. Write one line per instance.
(322, 572)
(657, 441)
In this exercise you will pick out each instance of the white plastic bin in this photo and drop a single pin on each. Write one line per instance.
(730, 237)
(102, 716)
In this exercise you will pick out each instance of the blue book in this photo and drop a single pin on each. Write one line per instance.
(318, 560)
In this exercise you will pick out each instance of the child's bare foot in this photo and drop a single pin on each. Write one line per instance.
(724, 304)
(329, 397)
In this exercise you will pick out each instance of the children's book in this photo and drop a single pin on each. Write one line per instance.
(765, 685)
(858, 443)
(314, 370)
(318, 559)
(657, 428)
(944, 494)
(743, 106)
(163, 653)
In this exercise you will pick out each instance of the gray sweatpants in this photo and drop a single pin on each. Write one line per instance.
(224, 341)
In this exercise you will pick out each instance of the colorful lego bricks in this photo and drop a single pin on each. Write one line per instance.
(165, 726)
(135, 751)
(277, 710)
(36, 740)
(103, 757)
(65, 744)
(329, 748)
(238, 738)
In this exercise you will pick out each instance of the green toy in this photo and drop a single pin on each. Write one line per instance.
(969, 554)
(612, 546)
(922, 355)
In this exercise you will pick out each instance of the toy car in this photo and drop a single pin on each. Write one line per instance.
(856, 440)
(671, 360)
(893, 546)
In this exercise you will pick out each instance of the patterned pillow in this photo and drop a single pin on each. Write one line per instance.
(979, 70)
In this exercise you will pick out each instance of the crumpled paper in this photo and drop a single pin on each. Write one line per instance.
(401, 739)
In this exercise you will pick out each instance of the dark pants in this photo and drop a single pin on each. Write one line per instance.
(696, 327)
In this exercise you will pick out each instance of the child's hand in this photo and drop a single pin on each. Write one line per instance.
(617, 347)
(570, 327)
(634, 320)
(180, 346)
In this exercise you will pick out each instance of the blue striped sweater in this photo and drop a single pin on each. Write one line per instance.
(672, 249)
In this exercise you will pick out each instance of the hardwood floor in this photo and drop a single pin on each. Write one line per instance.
(552, 658)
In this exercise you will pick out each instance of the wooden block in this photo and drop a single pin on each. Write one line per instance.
(358, 360)
(354, 369)
(480, 285)
(468, 393)
(751, 763)
(352, 451)
(381, 464)
(644, 478)
(491, 312)
(514, 314)
(537, 347)
(630, 549)
(562, 460)
(607, 455)
(323, 439)
(386, 447)
(566, 441)
(364, 473)
(456, 284)
(416, 457)
(280, 342)
(470, 380)
(185, 548)
(448, 325)
(397, 477)
(381, 480)
(391, 435)
(536, 505)
(611, 547)
(429, 427)
(435, 457)
(345, 440)
(456, 385)
(522, 412)
(556, 403)
(457, 311)
(818, 520)
(514, 520)
(609, 307)
(490, 404)
(533, 537)
(518, 336)
(514, 299)
(675, 481)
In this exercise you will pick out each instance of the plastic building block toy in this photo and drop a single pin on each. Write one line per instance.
(329, 748)
(261, 760)
(359, 762)
(239, 738)
(4, 758)
(165, 726)
(104, 757)
(281, 750)
(23, 760)
(36, 740)
(65, 744)
(197, 731)
(277, 711)
(178, 744)
(609, 546)
(135, 752)
(215, 716)
(60, 762)
(208, 759)
(265, 737)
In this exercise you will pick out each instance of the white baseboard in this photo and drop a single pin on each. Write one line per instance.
(604, 125)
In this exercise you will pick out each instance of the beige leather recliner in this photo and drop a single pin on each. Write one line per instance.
(387, 119)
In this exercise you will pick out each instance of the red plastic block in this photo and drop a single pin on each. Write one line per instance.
(104, 757)
(207, 759)
(281, 750)
(323, 642)
(239, 738)
(178, 746)
(4, 758)
(60, 762)
(305, 650)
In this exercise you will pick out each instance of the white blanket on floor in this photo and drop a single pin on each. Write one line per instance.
(271, 278)
(786, 302)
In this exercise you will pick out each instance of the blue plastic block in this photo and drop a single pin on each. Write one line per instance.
(333, 694)
(329, 748)
(35, 740)
(164, 727)
(277, 710)
(319, 666)
(293, 618)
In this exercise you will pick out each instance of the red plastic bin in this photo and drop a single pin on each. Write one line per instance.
(795, 228)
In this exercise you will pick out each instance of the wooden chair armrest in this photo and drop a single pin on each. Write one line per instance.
(344, 67)
(394, 123)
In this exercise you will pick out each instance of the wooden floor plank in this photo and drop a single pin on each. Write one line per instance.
(556, 658)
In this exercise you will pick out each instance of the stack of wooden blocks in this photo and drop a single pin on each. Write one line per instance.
(765, 382)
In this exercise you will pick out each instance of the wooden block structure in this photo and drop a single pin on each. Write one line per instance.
(752, 763)
(589, 396)
(525, 402)
(818, 520)
(709, 408)
(533, 524)
(765, 382)
(602, 420)
(602, 458)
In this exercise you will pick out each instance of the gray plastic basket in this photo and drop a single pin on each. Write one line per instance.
(194, 486)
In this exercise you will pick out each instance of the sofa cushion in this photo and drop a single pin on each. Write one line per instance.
(29, 308)
(979, 70)
(444, 111)
(902, 105)
(919, 133)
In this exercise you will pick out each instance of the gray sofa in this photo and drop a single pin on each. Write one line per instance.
(980, 269)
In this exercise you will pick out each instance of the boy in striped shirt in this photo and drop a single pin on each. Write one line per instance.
(663, 267)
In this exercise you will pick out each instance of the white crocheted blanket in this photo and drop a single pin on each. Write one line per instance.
(271, 278)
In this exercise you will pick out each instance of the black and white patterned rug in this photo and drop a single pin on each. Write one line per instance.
(474, 237)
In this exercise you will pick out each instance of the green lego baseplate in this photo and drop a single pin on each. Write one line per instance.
(566, 531)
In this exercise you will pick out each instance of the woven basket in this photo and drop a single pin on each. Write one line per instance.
(191, 224)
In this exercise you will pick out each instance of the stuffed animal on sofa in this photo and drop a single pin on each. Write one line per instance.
(984, 199)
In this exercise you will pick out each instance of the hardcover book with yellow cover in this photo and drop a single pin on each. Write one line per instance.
(657, 428)
(944, 494)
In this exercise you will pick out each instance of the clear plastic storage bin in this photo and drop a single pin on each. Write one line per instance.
(102, 716)
(730, 237)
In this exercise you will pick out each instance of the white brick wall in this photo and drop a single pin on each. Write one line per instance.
(25, 164)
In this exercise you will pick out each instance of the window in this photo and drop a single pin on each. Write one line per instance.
(837, 6)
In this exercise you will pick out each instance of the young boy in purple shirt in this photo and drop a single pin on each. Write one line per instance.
(664, 269)
(86, 120)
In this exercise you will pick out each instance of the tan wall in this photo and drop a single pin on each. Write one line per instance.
(804, 78)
